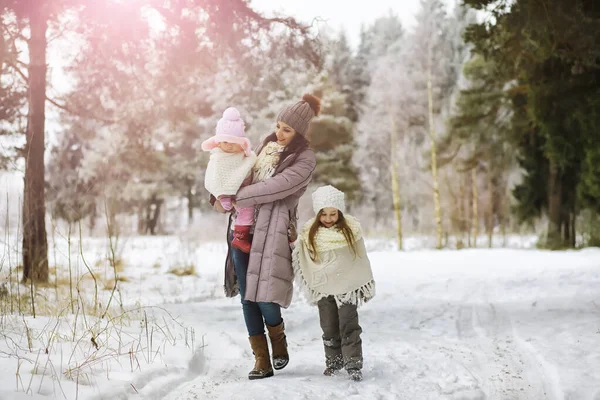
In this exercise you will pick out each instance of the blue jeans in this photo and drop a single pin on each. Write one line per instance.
(254, 312)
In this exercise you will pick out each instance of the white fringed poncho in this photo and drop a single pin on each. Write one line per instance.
(336, 271)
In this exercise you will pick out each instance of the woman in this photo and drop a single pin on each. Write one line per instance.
(283, 169)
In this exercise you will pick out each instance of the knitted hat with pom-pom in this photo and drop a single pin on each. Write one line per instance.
(299, 115)
(231, 129)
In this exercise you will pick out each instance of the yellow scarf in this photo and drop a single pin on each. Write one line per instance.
(331, 238)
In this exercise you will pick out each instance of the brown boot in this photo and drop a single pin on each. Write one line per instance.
(279, 346)
(241, 235)
(262, 364)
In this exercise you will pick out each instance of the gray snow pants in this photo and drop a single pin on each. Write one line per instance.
(341, 334)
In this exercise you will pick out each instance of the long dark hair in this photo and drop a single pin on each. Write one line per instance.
(341, 225)
(296, 146)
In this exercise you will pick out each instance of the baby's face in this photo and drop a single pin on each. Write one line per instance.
(231, 147)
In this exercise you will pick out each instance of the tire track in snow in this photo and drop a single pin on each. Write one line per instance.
(504, 369)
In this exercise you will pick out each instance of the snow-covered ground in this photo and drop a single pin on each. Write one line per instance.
(470, 324)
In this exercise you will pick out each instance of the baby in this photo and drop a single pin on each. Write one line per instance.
(230, 164)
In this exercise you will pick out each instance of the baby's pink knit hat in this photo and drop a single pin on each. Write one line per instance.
(231, 129)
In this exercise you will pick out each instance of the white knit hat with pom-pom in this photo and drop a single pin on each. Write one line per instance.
(328, 196)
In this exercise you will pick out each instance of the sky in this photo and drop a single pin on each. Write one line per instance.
(338, 14)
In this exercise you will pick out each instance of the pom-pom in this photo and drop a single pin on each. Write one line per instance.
(314, 103)
(231, 114)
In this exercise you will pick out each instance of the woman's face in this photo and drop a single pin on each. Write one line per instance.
(285, 133)
(329, 217)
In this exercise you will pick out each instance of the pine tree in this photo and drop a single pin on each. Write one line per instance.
(13, 94)
(71, 195)
(332, 134)
(341, 75)
(359, 75)
(372, 68)
(557, 89)
(375, 41)
(333, 141)
(476, 136)
(150, 93)
(430, 56)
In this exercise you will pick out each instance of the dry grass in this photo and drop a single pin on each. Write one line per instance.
(12, 302)
(186, 270)
(119, 264)
(47, 303)
(64, 281)
(109, 283)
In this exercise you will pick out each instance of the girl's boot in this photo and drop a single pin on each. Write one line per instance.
(241, 234)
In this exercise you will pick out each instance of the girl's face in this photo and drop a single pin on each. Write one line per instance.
(328, 217)
(231, 147)
(285, 133)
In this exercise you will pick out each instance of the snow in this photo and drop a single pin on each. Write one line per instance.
(470, 324)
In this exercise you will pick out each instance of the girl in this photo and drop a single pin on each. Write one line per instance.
(230, 164)
(331, 265)
(282, 171)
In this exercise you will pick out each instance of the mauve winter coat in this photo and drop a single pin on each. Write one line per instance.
(270, 273)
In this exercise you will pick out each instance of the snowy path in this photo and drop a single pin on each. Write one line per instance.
(498, 362)
(470, 325)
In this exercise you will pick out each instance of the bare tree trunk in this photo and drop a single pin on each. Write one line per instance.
(141, 220)
(148, 217)
(455, 212)
(377, 211)
(503, 211)
(395, 183)
(111, 209)
(571, 216)
(490, 221)
(566, 227)
(554, 238)
(153, 212)
(461, 210)
(35, 244)
(475, 200)
(434, 171)
(469, 211)
(573, 231)
(93, 216)
(190, 205)
(155, 217)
